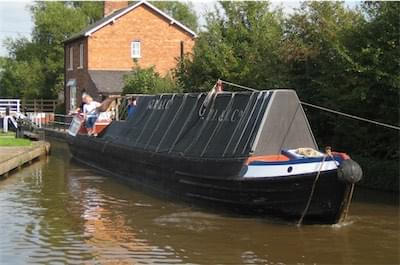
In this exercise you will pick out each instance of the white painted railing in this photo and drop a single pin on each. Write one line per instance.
(14, 105)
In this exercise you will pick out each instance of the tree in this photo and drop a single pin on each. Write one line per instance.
(45, 52)
(35, 68)
(241, 44)
(319, 64)
(314, 48)
(182, 12)
(49, 33)
(345, 59)
(375, 48)
(92, 10)
(348, 60)
(147, 81)
(376, 51)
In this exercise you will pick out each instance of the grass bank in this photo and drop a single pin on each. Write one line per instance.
(8, 139)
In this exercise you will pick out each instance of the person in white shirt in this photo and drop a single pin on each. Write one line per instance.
(90, 113)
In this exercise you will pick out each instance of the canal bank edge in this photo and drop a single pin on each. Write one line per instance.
(14, 157)
(56, 134)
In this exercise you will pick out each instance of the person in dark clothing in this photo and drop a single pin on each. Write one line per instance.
(131, 106)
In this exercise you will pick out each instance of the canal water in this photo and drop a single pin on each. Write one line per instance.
(57, 211)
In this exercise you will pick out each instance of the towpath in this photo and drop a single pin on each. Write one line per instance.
(12, 157)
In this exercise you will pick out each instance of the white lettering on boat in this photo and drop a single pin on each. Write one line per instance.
(232, 115)
(160, 104)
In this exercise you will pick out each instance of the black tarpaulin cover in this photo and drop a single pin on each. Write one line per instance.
(223, 125)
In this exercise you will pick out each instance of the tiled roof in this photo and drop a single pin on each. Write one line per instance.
(96, 24)
(108, 82)
(104, 21)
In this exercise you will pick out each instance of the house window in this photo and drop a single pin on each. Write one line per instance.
(135, 49)
(71, 58)
(81, 55)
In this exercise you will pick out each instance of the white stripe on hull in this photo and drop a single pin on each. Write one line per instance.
(267, 171)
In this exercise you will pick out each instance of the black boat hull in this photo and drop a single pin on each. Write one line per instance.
(216, 183)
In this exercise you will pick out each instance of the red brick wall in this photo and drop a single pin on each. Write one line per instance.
(81, 75)
(110, 47)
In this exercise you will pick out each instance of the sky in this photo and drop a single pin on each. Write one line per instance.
(16, 20)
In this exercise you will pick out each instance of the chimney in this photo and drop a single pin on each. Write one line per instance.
(111, 6)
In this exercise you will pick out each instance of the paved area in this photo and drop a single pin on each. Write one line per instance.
(14, 157)
(8, 152)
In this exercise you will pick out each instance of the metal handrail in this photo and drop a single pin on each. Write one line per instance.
(60, 121)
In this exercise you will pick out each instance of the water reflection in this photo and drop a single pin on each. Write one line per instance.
(60, 212)
(107, 234)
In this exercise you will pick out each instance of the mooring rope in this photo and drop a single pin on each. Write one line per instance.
(323, 160)
(326, 109)
(311, 193)
(351, 116)
(236, 85)
(346, 210)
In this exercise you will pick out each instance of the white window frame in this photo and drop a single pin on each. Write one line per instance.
(71, 58)
(80, 56)
(136, 49)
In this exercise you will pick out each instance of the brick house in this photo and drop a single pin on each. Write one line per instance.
(96, 58)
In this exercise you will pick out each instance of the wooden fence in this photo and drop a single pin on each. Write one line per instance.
(39, 105)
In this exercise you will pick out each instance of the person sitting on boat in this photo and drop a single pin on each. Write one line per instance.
(131, 106)
(90, 113)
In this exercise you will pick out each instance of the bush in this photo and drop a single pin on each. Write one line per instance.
(147, 81)
(379, 174)
(60, 108)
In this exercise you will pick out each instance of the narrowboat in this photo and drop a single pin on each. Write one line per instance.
(250, 153)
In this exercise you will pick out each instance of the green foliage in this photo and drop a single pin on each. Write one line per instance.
(377, 53)
(379, 173)
(241, 44)
(182, 12)
(147, 81)
(345, 59)
(36, 68)
(318, 63)
(60, 108)
(22, 79)
(348, 60)
(92, 10)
